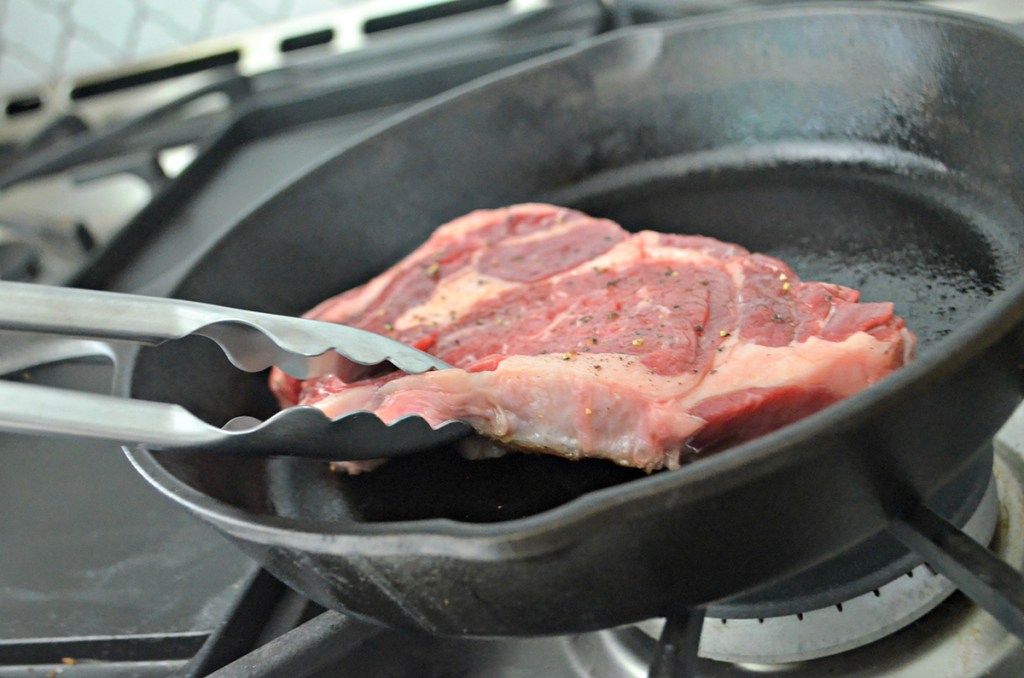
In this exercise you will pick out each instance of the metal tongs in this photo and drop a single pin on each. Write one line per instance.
(252, 342)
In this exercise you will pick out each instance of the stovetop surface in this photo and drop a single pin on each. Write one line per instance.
(90, 550)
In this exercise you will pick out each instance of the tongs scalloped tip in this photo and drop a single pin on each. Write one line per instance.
(308, 431)
(305, 348)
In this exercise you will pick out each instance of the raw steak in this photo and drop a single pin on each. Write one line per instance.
(577, 338)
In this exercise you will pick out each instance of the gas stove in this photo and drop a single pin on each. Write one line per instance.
(102, 577)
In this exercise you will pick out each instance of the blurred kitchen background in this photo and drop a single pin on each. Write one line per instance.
(103, 102)
(57, 54)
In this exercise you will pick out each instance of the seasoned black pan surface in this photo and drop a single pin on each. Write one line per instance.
(878, 147)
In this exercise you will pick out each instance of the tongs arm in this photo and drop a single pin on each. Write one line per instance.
(29, 408)
(298, 431)
(251, 340)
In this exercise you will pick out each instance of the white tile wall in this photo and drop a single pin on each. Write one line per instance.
(43, 41)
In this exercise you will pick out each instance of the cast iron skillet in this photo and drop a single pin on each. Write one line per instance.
(878, 147)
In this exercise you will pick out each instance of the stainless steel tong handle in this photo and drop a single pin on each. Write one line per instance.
(251, 340)
(297, 431)
(27, 408)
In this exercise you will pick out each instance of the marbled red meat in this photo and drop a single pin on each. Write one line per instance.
(574, 337)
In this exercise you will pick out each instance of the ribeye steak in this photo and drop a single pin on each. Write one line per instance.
(576, 338)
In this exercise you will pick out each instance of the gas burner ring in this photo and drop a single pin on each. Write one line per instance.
(957, 633)
(844, 626)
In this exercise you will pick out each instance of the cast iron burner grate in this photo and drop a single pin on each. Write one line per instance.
(853, 622)
(328, 641)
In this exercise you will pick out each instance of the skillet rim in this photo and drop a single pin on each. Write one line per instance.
(739, 465)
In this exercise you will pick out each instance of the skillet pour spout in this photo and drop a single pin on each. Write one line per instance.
(873, 146)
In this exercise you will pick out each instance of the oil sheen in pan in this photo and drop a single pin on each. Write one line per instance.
(832, 212)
